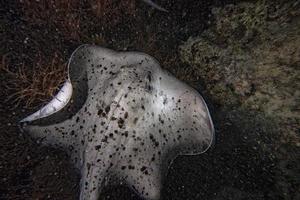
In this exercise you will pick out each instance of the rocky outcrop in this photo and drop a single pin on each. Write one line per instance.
(249, 58)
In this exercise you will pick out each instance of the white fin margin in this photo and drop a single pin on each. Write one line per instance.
(56, 104)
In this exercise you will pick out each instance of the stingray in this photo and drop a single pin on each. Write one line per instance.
(122, 119)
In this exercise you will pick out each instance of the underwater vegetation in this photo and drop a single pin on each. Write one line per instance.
(243, 56)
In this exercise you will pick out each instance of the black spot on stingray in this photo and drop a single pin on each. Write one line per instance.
(144, 170)
(72, 132)
(135, 149)
(126, 115)
(100, 111)
(153, 158)
(135, 120)
(97, 147)
(125, 133)
(154, 141)
(131, 167)
(71, 148)
(105, 139)
(165, 101)
(120, 122)
(123, 167)
(143, 107)
(107, 109)
(113, 118)
(77, 119)
(160, 119)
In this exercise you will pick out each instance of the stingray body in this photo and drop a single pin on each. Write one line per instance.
(127, 118)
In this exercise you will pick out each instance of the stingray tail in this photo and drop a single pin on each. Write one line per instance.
(154, 5)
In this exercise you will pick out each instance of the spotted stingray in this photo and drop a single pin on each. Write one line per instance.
(122, 118)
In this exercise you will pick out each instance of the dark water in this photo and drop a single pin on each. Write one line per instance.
(237, 167)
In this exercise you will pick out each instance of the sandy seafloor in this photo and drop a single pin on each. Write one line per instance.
(243, 56)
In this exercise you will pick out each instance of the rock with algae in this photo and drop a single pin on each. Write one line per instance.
(250, 58)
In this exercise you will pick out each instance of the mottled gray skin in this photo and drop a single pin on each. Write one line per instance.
(135, 120)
